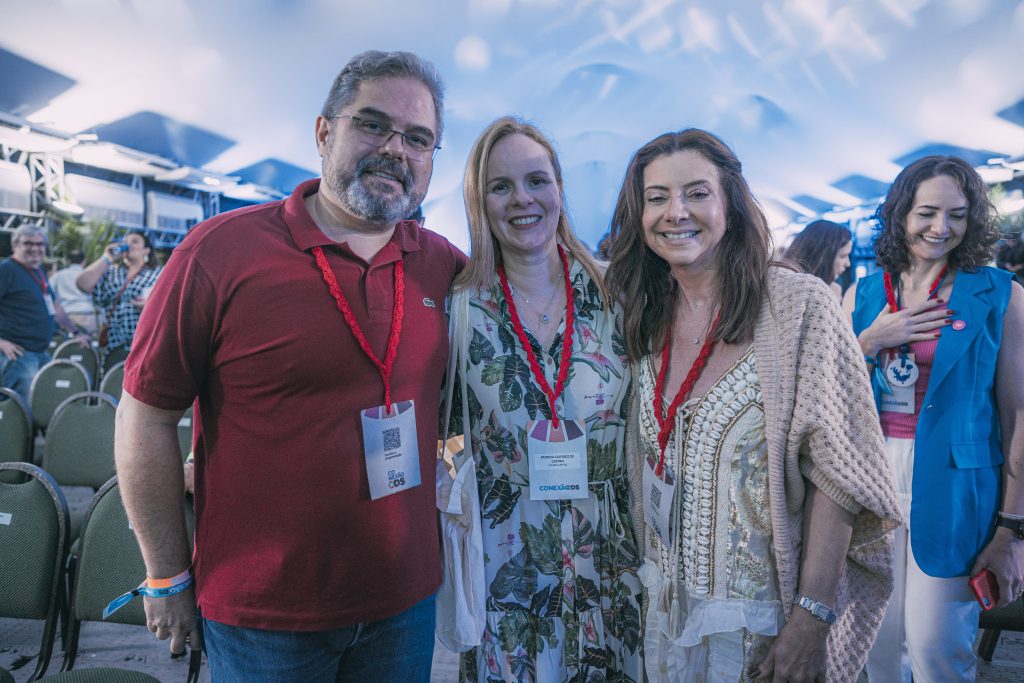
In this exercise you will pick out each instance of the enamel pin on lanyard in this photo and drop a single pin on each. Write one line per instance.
(556, 449)
(389, 430)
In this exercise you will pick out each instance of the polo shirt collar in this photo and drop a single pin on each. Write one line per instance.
(307, 235)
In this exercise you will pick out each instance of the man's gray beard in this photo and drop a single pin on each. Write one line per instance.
(373, 207)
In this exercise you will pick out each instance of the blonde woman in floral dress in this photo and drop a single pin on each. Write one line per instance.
(545, 379)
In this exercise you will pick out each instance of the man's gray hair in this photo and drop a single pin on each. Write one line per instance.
(373, 65)
(26, 230)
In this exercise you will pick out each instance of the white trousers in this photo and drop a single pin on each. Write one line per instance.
(931, 622)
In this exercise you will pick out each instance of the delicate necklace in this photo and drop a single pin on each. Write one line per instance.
(697, 338)
(545, 319)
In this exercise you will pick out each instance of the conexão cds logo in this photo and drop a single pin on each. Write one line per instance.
(559, 487)
(395, 479)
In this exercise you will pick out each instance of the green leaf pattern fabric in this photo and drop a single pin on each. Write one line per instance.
(563, 594)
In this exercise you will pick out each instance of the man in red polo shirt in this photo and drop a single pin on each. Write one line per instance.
(311, 333)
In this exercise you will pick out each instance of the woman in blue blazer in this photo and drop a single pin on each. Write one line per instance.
(940, 333)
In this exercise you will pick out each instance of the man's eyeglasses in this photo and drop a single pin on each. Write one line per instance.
(419, 146)
(29, 245)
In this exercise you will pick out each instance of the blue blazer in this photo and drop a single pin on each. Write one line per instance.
(958, 452)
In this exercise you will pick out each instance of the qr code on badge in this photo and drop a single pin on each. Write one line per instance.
(655, 497)
(392, 439)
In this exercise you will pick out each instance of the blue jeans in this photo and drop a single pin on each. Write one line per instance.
(17, 374)
(399, 648)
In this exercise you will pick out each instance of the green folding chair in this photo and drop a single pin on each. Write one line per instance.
(55, 381)
(113, 381)
(108, 565)
(80, 440)
(114, 356)
(84, 355)
(15, 433)
(34, 545)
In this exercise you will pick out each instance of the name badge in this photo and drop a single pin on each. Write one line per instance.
(901, 372)
(558, 460)
(48, 298)
(391, 448)
(658, 493)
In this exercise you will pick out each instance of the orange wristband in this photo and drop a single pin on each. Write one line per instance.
(171, 582)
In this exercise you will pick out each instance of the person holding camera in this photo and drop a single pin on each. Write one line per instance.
(120, 281)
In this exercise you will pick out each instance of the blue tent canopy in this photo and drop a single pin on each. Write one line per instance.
(165, 137)
(27, 87)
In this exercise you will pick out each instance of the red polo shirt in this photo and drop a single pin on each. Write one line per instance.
(287, 537)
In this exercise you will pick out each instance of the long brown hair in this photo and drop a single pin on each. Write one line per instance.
(485, 252)
(814, 249)
(642, 281)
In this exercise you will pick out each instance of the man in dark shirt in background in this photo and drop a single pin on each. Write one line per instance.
(29, 312)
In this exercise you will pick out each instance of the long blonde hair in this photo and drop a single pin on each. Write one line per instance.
(485, 252)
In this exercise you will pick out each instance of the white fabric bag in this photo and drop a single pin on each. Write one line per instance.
(461, 613)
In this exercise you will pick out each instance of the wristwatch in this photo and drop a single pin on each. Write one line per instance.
(818, 610)
(1013, 522)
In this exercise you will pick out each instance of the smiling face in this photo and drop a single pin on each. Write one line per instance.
(842, 260)
(29, 250)
(684, 214)
(375, 182)
(937, 221)
(521, 195)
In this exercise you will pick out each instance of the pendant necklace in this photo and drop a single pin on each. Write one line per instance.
(697, 338)
(545, 319)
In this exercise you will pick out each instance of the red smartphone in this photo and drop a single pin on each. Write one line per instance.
(986, 589)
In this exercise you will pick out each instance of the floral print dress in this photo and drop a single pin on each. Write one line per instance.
(563, 596)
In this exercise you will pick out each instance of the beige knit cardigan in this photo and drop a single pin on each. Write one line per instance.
(820, 423)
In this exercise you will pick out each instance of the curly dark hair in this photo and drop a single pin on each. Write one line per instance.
(814, 249)
(978, 245)
(642, 281)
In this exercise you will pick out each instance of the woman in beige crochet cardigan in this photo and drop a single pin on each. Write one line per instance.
(760, 492)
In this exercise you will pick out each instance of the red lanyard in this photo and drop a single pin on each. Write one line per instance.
(40, 279)
(517, 325)
(890, 292)
(894, 302)
(667, 420)
(396, 321)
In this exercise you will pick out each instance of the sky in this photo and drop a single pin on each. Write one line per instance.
(806, 91)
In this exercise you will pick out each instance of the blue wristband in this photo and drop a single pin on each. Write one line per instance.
(143, 589)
